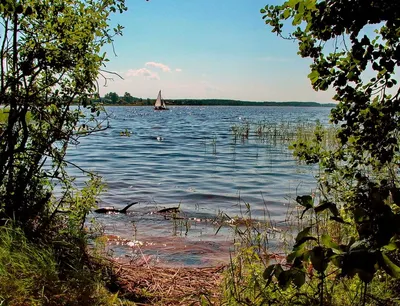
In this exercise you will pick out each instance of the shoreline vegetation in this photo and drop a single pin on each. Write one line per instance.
(239, 282)
(342, 243)
(113, 99)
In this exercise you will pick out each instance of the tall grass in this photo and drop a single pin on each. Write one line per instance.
(282, 133)
(27, 272)
(30, 275)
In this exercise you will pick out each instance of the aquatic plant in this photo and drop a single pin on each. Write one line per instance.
(284, 133)
(125, 132)
(214, 145)
(241, 131)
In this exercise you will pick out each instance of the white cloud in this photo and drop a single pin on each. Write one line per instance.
(178, 70)
(148, 74)
(163, 67)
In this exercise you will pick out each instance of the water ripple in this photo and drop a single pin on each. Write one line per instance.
(188, 157)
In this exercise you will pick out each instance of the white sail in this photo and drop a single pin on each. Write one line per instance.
(159, 103)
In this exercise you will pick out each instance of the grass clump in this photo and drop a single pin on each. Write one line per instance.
(31, 274)
(27, 272)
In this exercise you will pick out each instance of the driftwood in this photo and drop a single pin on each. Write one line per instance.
(169, 210)
(112, 209)
(105, 210)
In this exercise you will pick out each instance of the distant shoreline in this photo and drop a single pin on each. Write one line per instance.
(177, 105)
(213, 102)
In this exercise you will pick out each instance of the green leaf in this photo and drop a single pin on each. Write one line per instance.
(297, 19)
(284, 279)
(269, 272)
(301, 8)
(391, 268)
(327, 205)
(337, 260)
(319, 258)
(298, 277)
(305, 232)
(286, 14)
(263, 11)
(327, 242)
(292, 3)
(392, 245)
(313, 76)
(297, 253)
(303, 237)
(305, 200)
(359, 245)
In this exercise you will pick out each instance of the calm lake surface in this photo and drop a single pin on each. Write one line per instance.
(188, 157)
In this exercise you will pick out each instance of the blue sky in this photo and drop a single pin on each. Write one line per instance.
(206, 49)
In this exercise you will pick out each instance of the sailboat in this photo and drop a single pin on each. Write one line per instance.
(160, 103)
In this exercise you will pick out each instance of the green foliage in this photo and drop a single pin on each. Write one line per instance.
(127, 98)
(3, 116)
(50, 57)
(24, 269)
(261, 274)
(111, 97)
(50, 60)
(82, 201)
(31, 275)
(359, 178)
(59, 271)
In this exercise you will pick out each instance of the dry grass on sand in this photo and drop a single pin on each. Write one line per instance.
(153, 285)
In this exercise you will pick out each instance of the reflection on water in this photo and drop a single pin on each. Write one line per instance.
(187, 157)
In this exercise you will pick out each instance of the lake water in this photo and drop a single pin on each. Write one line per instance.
(188, 157)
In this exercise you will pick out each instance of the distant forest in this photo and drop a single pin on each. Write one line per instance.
(127, 99)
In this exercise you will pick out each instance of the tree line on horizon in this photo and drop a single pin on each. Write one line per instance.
(112, 98)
